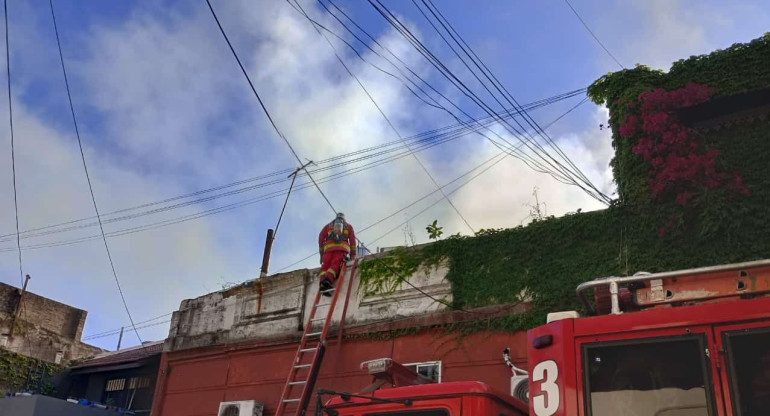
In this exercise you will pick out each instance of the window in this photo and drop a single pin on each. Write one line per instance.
(749, 371)
(651, 377)
(139, 382)
(116, 384)
(429, 369)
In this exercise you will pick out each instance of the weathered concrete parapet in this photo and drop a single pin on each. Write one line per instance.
(43, 328)
(277, 307)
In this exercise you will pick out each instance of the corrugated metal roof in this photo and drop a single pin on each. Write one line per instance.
(123, 356)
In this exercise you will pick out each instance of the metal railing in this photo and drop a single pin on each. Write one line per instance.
(615, 282)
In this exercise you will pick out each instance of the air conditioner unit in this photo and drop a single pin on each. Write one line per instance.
(240, 408)
(520, 387)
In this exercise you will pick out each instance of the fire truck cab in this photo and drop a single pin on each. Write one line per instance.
(684, 343)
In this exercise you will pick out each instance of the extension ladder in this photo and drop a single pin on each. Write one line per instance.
(298, 389)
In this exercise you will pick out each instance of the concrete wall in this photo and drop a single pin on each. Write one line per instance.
(279, 305)
(44, 327)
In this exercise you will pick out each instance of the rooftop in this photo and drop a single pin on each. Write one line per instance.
(127, 355)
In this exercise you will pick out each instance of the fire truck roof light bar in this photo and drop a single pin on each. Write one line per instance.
(613, 281)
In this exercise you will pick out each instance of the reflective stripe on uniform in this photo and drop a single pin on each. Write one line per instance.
(344, 245)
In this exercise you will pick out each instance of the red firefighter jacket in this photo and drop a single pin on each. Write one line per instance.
(328, 241)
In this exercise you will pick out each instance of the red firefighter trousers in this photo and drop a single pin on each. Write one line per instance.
(331, 262)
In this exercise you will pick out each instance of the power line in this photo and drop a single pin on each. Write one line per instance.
(424, 138)
(387, 119)
(88, 177)
(444, 136)
(109, 334)
(264, 108)
(138, 323)
(514, 151)
(13, 149)
(593, 35)
(497, 85)
(465, 90)
(490, 76)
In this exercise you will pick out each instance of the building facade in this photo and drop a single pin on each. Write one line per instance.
(42, 328)
(239, 344)
(124, 379)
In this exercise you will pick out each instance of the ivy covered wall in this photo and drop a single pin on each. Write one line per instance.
(547, 259)
(18, 372)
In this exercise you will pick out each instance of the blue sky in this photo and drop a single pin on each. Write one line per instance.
(164, 111)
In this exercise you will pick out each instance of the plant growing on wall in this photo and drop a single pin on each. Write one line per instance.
(19, 372)
(681, 168)
(434, 231)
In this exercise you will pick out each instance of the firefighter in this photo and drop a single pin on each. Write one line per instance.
(335, 242)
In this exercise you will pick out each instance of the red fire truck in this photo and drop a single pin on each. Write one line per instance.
(684, 343)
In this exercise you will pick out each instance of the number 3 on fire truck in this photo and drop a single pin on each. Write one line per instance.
(546, 403)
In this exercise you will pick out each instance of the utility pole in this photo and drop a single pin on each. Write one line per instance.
(272, 232)
(18, 306)
(120, 338)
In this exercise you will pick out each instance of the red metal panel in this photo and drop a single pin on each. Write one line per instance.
(345, 358)
(269, 368)
(210, 375)
(552, 374)
(198, 375)
(703, 314)
(199, 403)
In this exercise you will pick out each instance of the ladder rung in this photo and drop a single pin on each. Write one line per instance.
(313, 334)
(328, 291)
(298, 366)
(308, 349)
(322, 304)
(318, 319)
(290, 400)
(297, 383)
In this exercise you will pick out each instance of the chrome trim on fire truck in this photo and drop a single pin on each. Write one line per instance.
(614, 281)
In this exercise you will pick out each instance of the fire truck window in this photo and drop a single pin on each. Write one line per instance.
(659, 378)
(749, 362)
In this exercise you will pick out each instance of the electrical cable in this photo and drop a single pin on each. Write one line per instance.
(479, 63)
(138, 323)
(533, 164)
(118, 331)
(593, 35)
(88, 178)
(262, 104)
(512, 101)
(393, 20)
(13, 149)
(206, 212)
(423, 139)
(465, 90)
(387, 119)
